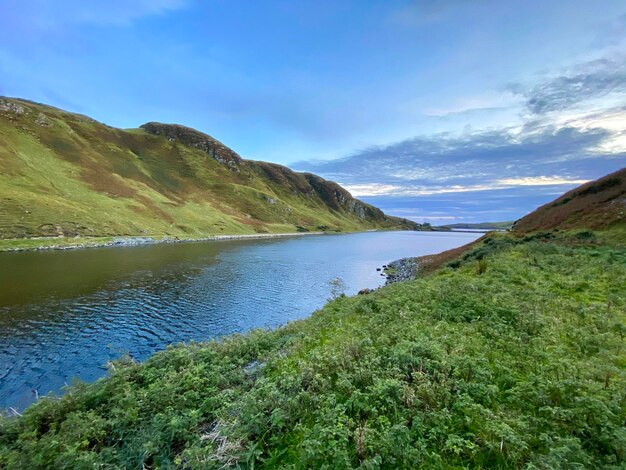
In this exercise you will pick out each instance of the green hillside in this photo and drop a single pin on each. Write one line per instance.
(482, 226)
(64, 174)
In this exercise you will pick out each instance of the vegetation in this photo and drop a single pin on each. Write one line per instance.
(512, 357)
(66, 175)
(598, 204)
(507, 353)
(482, 226)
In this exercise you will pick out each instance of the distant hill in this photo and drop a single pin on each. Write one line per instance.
(594, 205)
(64, 174)
(482, 226)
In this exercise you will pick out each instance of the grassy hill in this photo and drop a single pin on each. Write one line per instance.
(509, 356)
(482, 226)
(595, 205)
(63, 174)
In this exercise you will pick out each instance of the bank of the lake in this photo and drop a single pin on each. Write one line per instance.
(511, 358)
(73, 243)
(65, 314)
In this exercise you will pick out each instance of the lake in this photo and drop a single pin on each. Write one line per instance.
(65, 314)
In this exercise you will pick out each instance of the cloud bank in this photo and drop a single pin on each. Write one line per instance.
(573, 129)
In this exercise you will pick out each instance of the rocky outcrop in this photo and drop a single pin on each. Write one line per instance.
(42, 120)
(11, 107)
(193, 138)
(401, 270)
(338, 198)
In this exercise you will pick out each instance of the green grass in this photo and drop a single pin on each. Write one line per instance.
(77, 177)
(515, 358)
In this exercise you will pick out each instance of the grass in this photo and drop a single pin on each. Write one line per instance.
(77, 177)
(483, 226)
(512, 358)
(597, 205)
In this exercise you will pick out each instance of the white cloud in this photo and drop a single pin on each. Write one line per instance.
(40, 17)
(372, 189)
(612, 120)
(433, 217)
(537, 181)
(379, 189)
(486, 101)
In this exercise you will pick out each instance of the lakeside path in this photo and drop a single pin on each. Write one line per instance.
(61, 243)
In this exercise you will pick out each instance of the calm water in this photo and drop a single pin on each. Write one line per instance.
(64, 314)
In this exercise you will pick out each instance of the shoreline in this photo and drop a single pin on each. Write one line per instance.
(103, 242)
(138, 240)
(409, 269)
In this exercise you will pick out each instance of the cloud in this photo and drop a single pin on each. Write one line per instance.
(40, 18)
(491, 205)
(375, 189)
(587, 81)
(372, 189)
(361, 190)
(539, 181)
(467, 162)
(499, 174)
(487, 102)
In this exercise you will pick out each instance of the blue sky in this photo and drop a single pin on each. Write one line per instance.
(442, 111)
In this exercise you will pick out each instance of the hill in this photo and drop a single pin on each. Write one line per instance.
(64, 174)
(482, 226)
(597, 204)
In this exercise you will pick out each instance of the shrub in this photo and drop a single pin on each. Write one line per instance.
(481, 267)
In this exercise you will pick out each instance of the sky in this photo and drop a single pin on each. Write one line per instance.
(436, 110)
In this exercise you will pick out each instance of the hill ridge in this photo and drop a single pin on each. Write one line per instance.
(596, 204)
(66, 174)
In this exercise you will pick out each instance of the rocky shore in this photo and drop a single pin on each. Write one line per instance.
(400, 270)
(136, 241)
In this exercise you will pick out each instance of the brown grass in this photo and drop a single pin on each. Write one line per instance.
(594, 205)
(430, 263)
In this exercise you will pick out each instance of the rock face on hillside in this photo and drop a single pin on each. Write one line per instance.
(333, 195)
(594, 205)
(338, 198)
(195, 139)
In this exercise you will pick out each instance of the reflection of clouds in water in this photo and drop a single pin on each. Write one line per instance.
(164, 295)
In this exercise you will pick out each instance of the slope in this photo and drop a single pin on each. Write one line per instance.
(598, 204)
(64, 174)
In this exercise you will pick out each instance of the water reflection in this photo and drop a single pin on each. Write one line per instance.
(65, 314)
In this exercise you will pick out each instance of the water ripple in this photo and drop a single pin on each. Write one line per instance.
(103, 303)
